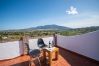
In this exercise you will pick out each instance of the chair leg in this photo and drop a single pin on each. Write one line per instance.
(30, 61)
(39, 61)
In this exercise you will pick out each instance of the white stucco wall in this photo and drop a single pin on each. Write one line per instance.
(33, 42)
(9, 50)
(86, 44)
(14, 49)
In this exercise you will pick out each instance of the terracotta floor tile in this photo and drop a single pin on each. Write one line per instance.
(65, 59)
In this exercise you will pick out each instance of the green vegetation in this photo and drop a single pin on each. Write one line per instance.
(12, 36)
(79, 31)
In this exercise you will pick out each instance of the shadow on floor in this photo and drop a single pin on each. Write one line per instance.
(22, 64)
(76, 60)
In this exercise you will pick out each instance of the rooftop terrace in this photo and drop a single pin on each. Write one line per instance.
(66, 58)
(79, 50)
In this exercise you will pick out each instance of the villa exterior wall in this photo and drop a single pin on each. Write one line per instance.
(86, 44)
(10, 50)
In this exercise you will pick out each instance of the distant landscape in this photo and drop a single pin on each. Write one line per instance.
(43, 31)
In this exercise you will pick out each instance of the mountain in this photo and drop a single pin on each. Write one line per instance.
(51, 27)
(45, 27)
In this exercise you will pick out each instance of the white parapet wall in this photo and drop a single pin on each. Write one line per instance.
(86, 44)
(33, 42)
(9, 50)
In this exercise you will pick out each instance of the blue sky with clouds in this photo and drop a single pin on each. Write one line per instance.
(18, 14)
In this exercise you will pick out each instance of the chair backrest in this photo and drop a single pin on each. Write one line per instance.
(41, 43)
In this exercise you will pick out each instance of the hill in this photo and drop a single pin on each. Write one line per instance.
(45, 27)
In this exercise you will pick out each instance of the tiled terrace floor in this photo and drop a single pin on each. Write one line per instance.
(66, 58)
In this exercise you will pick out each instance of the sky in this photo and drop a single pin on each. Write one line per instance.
(20, 14)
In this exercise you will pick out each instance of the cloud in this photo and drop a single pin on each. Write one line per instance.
(72, 11)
